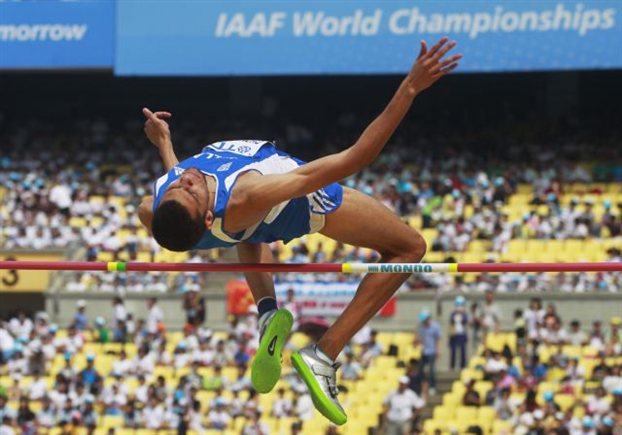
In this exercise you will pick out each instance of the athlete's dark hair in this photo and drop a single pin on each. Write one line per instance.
(174, 228)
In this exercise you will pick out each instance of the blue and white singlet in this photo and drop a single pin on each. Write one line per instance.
(225, 161)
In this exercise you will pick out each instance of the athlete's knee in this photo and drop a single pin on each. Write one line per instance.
(411, 250)
(416, 247)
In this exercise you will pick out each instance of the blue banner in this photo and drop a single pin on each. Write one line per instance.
(188, 37)
(57, 34)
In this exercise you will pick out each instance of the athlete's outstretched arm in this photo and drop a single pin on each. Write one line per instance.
(145, 212)
(158, 133)
(269, 190)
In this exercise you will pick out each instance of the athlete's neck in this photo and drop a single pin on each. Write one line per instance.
(211, 189)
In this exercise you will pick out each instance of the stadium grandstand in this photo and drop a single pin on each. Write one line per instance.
(517, 161)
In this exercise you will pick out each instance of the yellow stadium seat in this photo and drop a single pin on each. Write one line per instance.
(565, 401)
(486, 413)
(443, 413)
(483, 387)
(430, 426)
(354, 428)
(471, 374)
(589, 352)
(460, 426)
(317, 424)
(112, 421)
(452, 399)
(466, 413)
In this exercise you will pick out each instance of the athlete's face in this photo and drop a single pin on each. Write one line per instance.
(191, 191)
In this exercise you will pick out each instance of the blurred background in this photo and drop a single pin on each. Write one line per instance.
(514, 157)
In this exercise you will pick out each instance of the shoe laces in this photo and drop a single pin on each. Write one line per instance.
(332, 381)
(329, 373)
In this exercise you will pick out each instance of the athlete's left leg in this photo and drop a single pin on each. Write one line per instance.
(361, 221)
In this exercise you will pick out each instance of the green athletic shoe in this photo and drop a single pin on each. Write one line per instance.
(321, 379)
(266, 367)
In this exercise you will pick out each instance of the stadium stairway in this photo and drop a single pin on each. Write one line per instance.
(444, 382)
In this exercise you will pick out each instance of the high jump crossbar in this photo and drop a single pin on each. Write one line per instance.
(416, 268)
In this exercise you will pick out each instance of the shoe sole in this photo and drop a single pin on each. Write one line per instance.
(266, 367)
(321, 402)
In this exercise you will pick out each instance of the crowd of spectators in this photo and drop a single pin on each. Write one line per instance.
(49, 178)
(72, 378)
(554, 379)
(47, 185)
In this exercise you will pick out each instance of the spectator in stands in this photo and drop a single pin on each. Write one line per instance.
(458, 322)
(476, 323)
(255, 426)
(351, 370)
(504, 409)
(216, 381)
(596, 336)
(534, 317)
(552, 332)
(401, 409)
(38, 388)
(576, 337)
(6, 426)
(60, 196)
(221, 354)
(613, 381)
(89, 415)
(90, 376)
(80, 319)
(5, 411)
(302, 405)
(18, 364)
(102, 335)
(294, 307)
(282, 406)
(119, 319)
(154, 316)
(373, 346)
(598, 404)
(242, 381)
(131, 414)
(153, 415)
(471, 396)
(194, 305)
(491, 313)
(550, 406)
(46, 417)
(429, 336)
(494, 365)
(417, 381)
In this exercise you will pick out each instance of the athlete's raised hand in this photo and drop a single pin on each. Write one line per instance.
(156, 128)
(158, 133)
(431, 64)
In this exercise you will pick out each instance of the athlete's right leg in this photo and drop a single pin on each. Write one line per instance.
(274, 325)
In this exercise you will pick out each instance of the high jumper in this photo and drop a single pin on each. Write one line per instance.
(248, 193)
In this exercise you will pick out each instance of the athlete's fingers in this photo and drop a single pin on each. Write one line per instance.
(148, 113)
(437, 46)
(423, 50)
(448, 69)
(163, 115)
(444, 63)
(440, 53)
